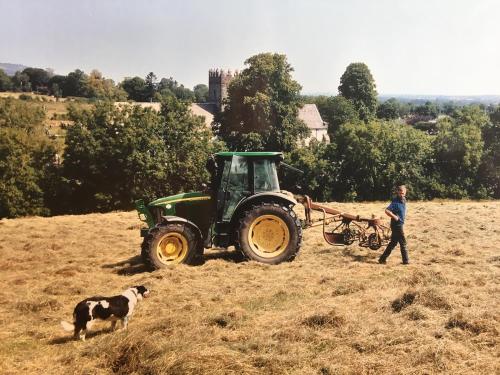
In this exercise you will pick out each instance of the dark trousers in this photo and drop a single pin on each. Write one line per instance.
(397, 236)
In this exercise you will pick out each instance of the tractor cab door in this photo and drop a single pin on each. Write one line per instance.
(233, 188)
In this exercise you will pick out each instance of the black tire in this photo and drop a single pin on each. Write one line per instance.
(349, 236)
(179, 238)
(287, 236)
(374, 242)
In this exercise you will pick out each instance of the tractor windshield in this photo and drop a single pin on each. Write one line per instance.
(265, 176)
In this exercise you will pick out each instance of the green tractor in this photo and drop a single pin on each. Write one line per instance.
(243, 207)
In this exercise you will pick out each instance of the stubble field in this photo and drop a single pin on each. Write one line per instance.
(334, 310)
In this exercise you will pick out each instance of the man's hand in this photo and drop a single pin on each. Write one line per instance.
(391, 215)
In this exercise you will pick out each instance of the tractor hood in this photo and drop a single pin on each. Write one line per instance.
(183, 197)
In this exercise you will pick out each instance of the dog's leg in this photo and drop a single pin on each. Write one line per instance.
(113, 325)
(125, 322)
(82, 334)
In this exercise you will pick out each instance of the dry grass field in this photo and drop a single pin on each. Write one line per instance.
(334, 310)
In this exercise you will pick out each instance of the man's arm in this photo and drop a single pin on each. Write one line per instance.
(390, 214)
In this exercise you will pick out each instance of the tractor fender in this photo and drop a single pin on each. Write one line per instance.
(180, 220)
(263, 197)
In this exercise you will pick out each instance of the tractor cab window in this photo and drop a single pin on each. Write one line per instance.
(265, 177)
(237, 185)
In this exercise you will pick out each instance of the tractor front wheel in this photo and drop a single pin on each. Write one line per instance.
(171, 244)
(270, 233)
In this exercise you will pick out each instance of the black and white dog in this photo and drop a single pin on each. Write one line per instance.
(105, 308)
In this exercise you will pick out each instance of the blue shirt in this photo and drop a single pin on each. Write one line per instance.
(398, 207)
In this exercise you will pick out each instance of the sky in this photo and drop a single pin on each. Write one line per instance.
(411, 47)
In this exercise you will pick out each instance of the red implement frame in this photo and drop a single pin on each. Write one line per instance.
(350, 227)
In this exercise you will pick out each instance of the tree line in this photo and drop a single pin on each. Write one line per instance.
(96, 86)
(113, 156)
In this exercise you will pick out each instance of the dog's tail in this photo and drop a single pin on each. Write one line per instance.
(67, 326)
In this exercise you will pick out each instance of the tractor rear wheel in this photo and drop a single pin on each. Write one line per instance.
(270, 233)
(171, 244)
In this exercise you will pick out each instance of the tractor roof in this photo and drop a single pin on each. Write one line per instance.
(250, 154)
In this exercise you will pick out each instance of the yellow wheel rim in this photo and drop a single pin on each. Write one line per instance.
(268, 236)
(172, 248)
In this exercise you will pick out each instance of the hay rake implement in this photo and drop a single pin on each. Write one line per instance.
(340, 228)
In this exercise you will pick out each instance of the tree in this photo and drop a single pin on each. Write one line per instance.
(75, 84)
(19, 115)
(458, 149)
(101, 88)
(151, 86)
(5, 81)
(429, 110)
(337, 111)
(170, 87)
(262, 106)
(370, 159)
(135, 88)
(39, 78)
(471, 115)
(389, 110)
(318, 171)
(201, 93)
(114, 156)
(56, 84)
(26, 155)
(357, 85)
(21, 82)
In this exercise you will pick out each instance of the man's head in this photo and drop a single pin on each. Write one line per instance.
(401, 191)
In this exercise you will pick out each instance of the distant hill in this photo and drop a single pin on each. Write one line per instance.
(458, 99)
(11, 69)
(420, 99)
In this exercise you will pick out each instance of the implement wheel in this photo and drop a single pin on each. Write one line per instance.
(171, 244)
(374, 242)
(270, 233)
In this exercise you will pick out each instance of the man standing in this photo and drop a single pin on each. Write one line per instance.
(397, 213)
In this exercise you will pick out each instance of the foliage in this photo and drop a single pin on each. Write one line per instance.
(200, 93)
(170, 87)
(318, 171)
(429, 109)
(489, 170)
(101, 88)
(337, 110)
(135, 88)
(150, 86)
(372, 158)
(75, 84)
(262, 106)
(357, 85)
(38, 78)
(26, 155)
(19, 115)
(142, 90)
(389, 110)
(5, 81)
(21, 82)
(114, 156)
(458, 149)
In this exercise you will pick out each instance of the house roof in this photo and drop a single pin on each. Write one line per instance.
(310, 115)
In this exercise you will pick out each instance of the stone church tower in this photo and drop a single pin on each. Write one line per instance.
(218, 81)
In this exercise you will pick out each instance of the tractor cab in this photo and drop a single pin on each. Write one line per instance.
(243, 207)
